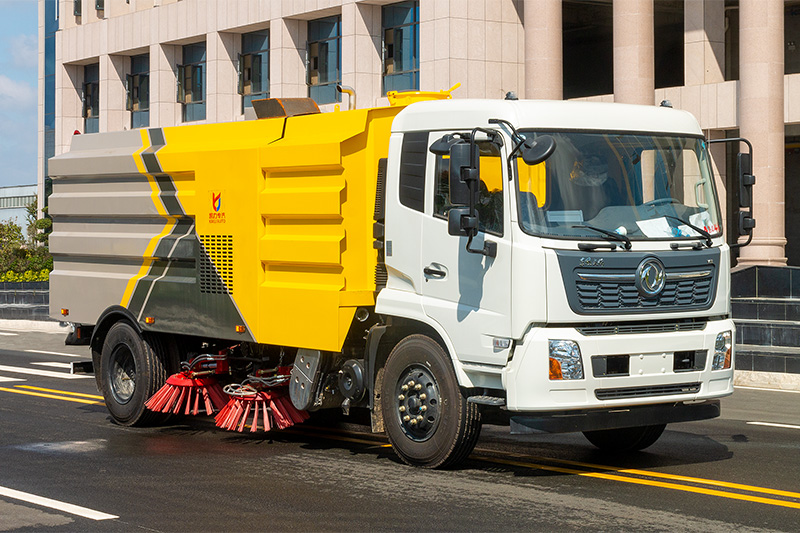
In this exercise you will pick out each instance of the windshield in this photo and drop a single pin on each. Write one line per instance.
(636, 185)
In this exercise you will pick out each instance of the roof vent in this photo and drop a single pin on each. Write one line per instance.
(284, 107)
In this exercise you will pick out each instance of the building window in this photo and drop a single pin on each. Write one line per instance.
(138, 88)
(99, 5)
(191, 82)
(324, 59)
(76, 8)
(16, 201)
(401, 47)
(254, 67)
(91, 98)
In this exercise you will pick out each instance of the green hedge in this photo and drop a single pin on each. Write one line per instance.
(28, 275)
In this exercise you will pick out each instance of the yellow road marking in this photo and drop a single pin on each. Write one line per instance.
(687, 479)
(96, 397)
(649, 482)
(42, 395)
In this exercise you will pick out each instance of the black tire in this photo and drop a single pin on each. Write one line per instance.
(446, 426)
(133, 368)
(625, 439)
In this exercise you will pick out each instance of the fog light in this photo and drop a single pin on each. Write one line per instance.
(723, 349)
(565, 360)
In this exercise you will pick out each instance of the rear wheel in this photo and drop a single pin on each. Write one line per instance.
(427, 417)
(133, 368)
(625, 439)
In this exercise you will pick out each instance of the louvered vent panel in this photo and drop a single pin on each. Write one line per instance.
(216, 264)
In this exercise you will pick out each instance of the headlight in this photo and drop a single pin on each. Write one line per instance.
(723, 349)
(565, 360)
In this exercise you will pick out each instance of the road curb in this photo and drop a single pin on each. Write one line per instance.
(34, 325)
(767, 380)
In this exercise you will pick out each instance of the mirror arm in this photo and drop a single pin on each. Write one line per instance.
(489, 248)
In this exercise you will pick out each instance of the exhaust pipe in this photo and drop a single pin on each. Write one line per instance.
(350, 92)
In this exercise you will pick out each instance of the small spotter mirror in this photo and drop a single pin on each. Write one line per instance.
(534, 151)
(442, 145)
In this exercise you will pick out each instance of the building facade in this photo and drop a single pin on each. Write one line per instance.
(14, 202)
(108, 65)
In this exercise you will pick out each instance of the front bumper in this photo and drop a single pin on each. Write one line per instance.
(651, 379)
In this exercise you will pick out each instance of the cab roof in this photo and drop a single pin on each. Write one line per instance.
(549, 115)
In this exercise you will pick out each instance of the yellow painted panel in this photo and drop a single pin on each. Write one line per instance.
(297, 196)
(301, 249)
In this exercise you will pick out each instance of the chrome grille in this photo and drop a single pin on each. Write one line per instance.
(627, 329)
(644, 392)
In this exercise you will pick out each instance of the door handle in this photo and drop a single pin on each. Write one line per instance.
(434, 273)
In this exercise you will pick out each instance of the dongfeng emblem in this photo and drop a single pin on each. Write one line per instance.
(650, 277)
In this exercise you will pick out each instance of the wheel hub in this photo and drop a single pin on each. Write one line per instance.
(417, 403)
(122, 374)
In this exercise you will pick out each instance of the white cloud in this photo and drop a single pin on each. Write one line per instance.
(24, 51)
(16, 94)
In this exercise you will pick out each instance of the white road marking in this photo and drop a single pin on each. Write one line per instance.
(3, 333)
(56, 353)
(766, 389)
(44, 373)
(774, 425)
(4, 379)
(54, 365)
(55, 504)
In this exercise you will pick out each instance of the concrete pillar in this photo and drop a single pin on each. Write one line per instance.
(544, 78)
(761, 121)
(361, 53)
(634, 78)
(113, 94)
(69, 108)
(287, 67)
(164, 107)
(223, 103)
(704, 41)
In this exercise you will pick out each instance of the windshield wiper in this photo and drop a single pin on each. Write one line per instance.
(703, 233)
(610, 234)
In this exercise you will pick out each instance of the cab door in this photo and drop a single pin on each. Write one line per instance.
(469, 294)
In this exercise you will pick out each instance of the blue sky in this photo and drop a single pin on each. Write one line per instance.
(18, 89)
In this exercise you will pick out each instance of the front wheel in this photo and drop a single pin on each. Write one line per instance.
(133, 368)
(625, 439)
(427, 417)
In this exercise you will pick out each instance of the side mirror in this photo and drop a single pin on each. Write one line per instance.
(746, 179)
(459, 221)
(534, 151)
(746, 223)
(462, 172)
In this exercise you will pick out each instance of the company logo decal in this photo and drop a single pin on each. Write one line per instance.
(650, 277)
(217, 215)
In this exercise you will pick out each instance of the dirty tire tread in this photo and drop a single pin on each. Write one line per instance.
(451, 443)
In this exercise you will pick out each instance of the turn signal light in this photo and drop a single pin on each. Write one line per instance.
(555, 369)
(240, 329)
(149, 320)
(64, 312)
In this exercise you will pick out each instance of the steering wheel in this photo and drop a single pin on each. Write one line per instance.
(663, 201)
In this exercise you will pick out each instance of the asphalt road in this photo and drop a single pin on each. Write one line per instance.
(64, 466)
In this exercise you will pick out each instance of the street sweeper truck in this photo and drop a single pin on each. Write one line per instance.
(558, 265)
